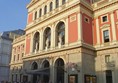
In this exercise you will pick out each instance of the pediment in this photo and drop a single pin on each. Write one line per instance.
(105, 26)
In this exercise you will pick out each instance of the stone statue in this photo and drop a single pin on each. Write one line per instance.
(37, 46)
(60, 39)
(47, 42)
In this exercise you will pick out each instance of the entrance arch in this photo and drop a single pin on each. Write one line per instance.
(46, 71)
(34, 67)
(59, 70)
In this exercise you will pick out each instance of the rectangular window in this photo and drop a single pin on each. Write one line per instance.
(86, 19)
(109, 76)
(18, 57)
(16, 78)
(14, 57)
(22, 54)
(106, 35)
(12, 77)
(35, 16)
(104, 19)
(107, 58)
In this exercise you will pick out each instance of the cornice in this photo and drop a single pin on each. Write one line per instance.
(105, 5)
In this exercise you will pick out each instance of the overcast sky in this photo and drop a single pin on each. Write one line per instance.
(13, 14)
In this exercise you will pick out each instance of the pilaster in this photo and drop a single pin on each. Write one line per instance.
(80, 34)
(113, 26)
(98, 31)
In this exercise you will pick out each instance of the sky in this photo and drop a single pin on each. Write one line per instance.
(13, 14)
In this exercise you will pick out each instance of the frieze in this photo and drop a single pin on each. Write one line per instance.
(109, 51)
(50, 55)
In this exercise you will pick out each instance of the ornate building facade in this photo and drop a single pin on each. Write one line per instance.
(68, 41)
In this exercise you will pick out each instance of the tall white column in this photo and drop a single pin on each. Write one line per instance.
(113, 26)
(66, 32)
(41, 40)
(80, 36)
(52, 37)
(98, 31)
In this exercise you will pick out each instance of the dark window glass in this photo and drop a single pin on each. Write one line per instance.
(18, 56)
(63, 2)
(106, 35)
(34, 66)
(57, 3)
(45, 9)
(35, 17)
(59, 71)
(51, 6)
(40, 12)
(109, 76)
(104, 18)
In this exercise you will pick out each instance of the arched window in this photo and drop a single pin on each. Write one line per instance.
(63, 2)
(35, 16)
(60, 34)
(51, 6)
(40, 12)
(47, 38)
(36, 42)
(59, 69)
(46, 71)
(45, 9)
(57, 3)
(34, 66)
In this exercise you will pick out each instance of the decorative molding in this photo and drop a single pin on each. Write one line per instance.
(105, 26)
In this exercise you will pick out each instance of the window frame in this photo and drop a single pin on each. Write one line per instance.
(40, 12)
(63, 2)
(106, 15)
(106, 40)
(51, 6)
(88, 20)
(45, 9)
(56, 3)
(107, 58)
(35, 15)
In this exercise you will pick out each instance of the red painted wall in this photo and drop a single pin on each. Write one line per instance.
(30, 18)
(87, 29)
(72, 28)
(94, 32)
(28, 39)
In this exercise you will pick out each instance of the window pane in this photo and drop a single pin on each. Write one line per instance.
(108, 76)
(104, 18)
(106, 35)
(40, 12)
(57, 3)
(63, 2)
(51, 6)
(35, 15)
(107, 58)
